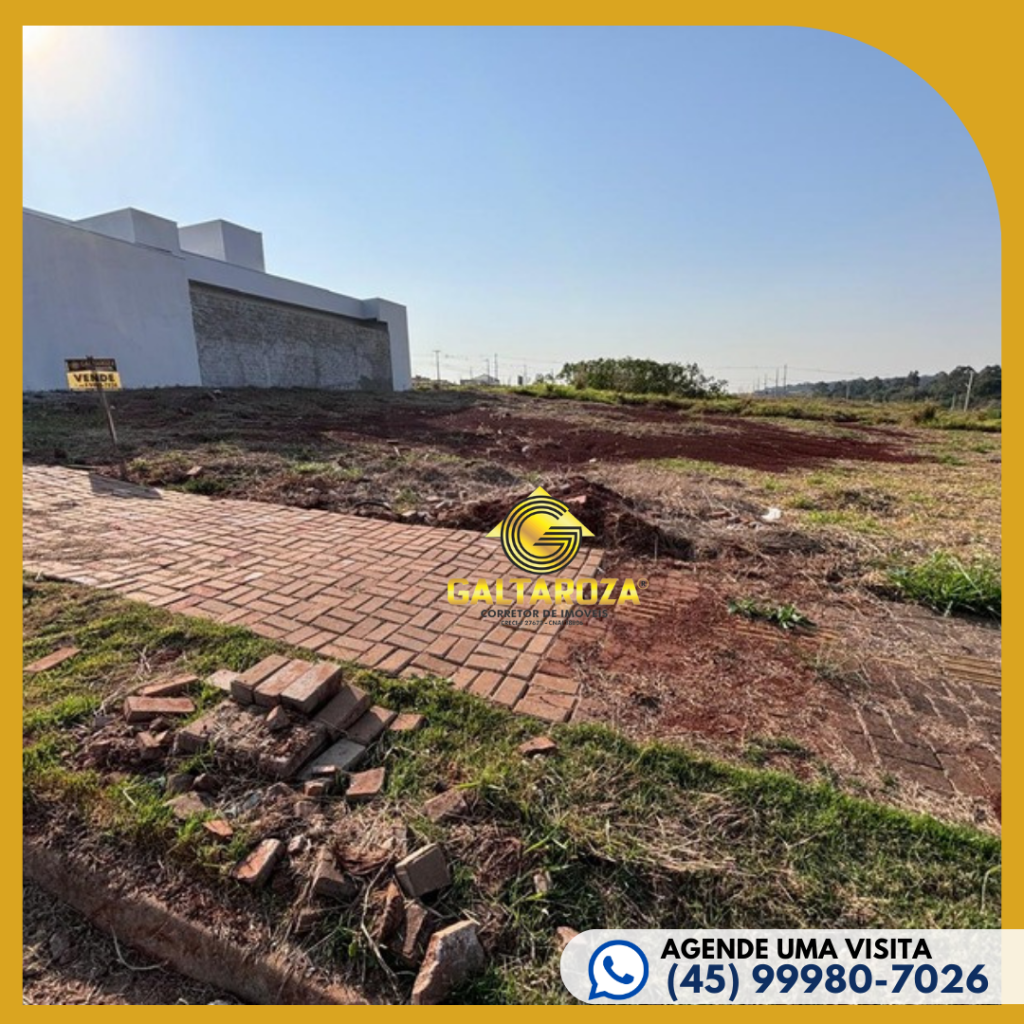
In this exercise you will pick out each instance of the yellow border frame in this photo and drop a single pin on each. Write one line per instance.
(970, 56)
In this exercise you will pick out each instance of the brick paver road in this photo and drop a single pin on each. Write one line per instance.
(344, 586)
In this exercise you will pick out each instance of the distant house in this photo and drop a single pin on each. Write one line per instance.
(480, 380)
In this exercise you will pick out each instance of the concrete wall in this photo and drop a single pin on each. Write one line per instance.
(249, 341)
(86, 293)
(204, 270)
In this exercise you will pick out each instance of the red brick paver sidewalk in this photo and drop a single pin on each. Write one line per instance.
(344, 586)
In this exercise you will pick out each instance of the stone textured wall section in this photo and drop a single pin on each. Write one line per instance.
(246, 341)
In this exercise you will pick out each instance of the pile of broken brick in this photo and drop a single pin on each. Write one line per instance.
(303, 726)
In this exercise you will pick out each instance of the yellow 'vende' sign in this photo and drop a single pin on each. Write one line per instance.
(87, 374)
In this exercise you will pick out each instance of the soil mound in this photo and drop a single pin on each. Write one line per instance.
(618, 523)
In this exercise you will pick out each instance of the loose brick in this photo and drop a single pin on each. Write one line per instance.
(277, 720)
(222, 679)
(242, 688)
(51, 660)
(365, 785)
(170, 688)
(407, 722)
(446, 806)
(268, 693)
(538, 745)
(313, 688)
(343, 709)
(179, 782)
(219, 828)
(423, 871)
(329, 883)
(206, 783)
(416, 929)
(153, 745)
(453, 955)
(339, 757)
(303, 741)
(195, 736)
(370, 725)
(390, 918)
(145, 709)
(256, 868)
(187, 804)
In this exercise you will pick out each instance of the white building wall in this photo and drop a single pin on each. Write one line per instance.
(117, 285)
(224, 241)
(87, 294)
(396, 318)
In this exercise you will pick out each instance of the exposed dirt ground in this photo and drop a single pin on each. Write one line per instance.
(680, 496)
(68, 962)
(532, 433)
(874, 697)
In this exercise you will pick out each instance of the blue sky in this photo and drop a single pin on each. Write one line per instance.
(740, 197)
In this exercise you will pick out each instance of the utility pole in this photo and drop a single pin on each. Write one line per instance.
(437, 363)
(776, 382)
(785, 380)
(496, 367)
(967, 397)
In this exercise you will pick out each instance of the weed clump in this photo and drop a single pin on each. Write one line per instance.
(949, 585)
(785, 616)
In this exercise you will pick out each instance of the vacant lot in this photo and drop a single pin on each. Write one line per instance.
(605, 832)
(816, 658)
(889, 699)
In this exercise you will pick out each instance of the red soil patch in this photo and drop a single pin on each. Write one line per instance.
(695, 669)
(547, 443)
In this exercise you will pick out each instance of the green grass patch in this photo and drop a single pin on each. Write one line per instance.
(631, 834)
(950, 585)
(785, 616)
(795, 408)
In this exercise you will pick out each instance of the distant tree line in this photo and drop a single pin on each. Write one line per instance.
(642, 377)
(943, 388)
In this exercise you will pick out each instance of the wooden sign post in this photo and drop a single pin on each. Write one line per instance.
(100, 375)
